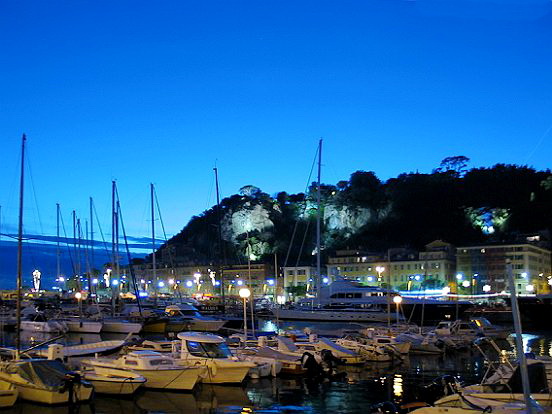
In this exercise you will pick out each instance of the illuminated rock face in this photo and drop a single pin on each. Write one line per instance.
(346, 219)
(247, 219)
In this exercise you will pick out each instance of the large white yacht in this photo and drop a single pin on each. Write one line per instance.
(347, 300)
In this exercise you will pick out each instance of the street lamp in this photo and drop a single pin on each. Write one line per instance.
(397, 300)
(529, 288)
(486, 288)
(244, 294)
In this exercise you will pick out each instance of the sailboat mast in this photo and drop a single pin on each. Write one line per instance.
(20, 247)
(58, 252)
(221, 260)
(318, 213)
(91, 245)
(154, 264)
(113, 241)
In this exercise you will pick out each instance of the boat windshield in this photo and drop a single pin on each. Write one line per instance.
(208, 349)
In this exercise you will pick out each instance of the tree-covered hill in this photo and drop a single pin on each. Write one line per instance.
(452, 203)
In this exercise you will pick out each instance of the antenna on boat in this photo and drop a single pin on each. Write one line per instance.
(20, 247)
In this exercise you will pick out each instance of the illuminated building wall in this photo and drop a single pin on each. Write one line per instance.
(188, 280)
(486, 264)
(407, 269)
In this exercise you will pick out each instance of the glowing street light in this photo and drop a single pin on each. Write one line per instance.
(486, 288)
(446, 290)
(244, 294)
(529, 288)
(466, 283)
(459, 276)
(189, 283)
(397, 300)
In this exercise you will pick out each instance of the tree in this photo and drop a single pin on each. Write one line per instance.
(457, 164)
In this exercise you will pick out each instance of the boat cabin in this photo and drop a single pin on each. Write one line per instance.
(203, 345)
(184, 309)
(146, 360)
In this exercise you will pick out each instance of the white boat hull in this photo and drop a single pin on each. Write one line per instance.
(334, 315)
(115, 386)
(175, 379)
(220, 373)
(49, 326)
(121, 327)
(84, 326)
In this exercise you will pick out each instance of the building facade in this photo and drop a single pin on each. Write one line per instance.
(402, 269)
(485, 267)
(193, 280)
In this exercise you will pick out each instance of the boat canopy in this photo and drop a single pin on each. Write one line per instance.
(200, 337)
(49, 374)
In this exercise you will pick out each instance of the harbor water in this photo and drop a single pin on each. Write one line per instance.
(359, 388)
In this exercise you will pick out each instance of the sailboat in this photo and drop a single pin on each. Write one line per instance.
(41, 381)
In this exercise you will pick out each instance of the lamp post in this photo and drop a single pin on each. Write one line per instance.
(244, 294)
(397, 300)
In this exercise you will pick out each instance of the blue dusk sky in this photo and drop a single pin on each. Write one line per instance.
(142, 91)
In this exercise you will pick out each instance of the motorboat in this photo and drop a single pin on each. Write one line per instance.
(490, 330)
(371, 349)
(160, 371)
(315, 345)
(45, 381)
(8, 394)
(37, 322)
(466, 330)
(251, 354)
(211, 351)
(370, 335)
(113, 381)
(186, 317)
(290, 364)
(151, 321)
(421, 344)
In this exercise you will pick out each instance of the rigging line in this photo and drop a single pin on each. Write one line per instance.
(171, 259)
(66, 244)
(100, 227)
(302, 243)
(304, 208)
(130, 267)
(34, 191)
(541, 140)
